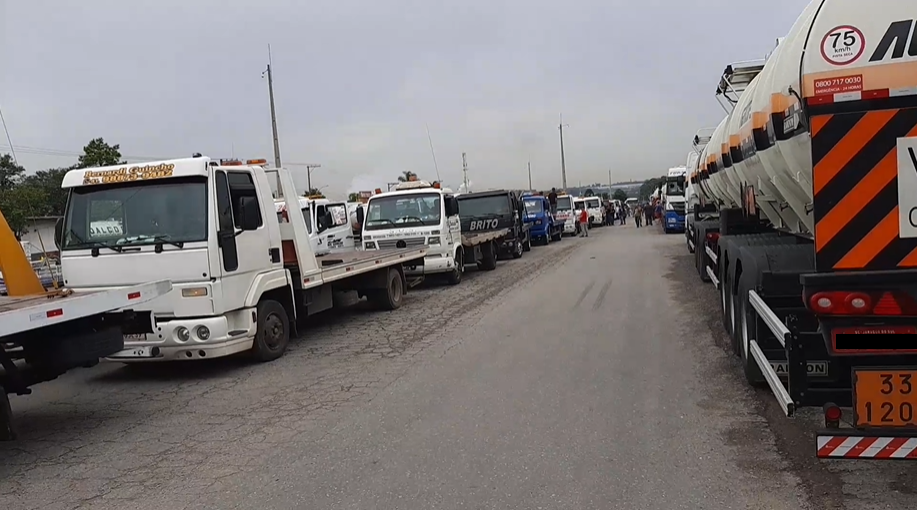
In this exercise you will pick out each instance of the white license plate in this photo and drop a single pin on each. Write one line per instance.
(136, 352)
(137, 337)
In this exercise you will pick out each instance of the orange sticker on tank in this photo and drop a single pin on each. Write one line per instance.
(839, 85)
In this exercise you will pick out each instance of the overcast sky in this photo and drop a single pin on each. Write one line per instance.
(357, 82)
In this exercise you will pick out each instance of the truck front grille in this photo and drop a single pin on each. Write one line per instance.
(408, 242)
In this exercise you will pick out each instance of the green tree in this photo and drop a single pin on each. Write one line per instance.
(316, 192)
(49, 182)
(10, 172)
(606, 196)
(649, 186)
(353, 197)
(18, 203)
(406, 176)
(619, 194)
(589, 193)
(98, 153)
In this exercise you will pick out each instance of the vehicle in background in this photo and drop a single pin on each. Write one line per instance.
(243, 275)
(673, 199)
(327, 223)
(564, 214)
(814, 251)
(695, 204)
(631, 203)
(356, 211)
(538, 214)
(595, 210)
(486, 211)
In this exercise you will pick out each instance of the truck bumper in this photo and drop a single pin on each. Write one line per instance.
(538, 231)
(432, 264)
(570, 227)
(165, 343)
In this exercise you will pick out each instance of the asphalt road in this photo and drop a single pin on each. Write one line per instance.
(589, 374)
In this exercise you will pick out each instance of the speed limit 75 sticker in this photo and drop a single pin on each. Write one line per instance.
(843, 45)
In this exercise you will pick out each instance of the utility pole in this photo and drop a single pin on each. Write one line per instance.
(465, 171)
(530, 176)
(563, 161)
(270, 88)
(309, 169)
(609, 178)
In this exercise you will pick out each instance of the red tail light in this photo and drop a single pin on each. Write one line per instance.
(842, 302)
(713, 236)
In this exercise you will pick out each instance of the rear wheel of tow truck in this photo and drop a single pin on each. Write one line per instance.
(391, 297)
(273, 334)
(455, 277)
(557, 236)
(7, 431)
(489, 257)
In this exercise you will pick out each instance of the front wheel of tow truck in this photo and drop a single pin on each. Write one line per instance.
(557, 236)
(527, 245)
(518, 249)
(455, 277)
(489, 257)
(7, 431)
(392, 295)
(273, 334)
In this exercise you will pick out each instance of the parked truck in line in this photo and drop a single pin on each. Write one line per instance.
(485, 211)
(544, 226)
(243, 276)
(565, 213)
(812, 177)
(673, 199)
(419, 214)
(324, 236)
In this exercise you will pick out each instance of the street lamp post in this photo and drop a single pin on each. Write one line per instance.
(309, 169)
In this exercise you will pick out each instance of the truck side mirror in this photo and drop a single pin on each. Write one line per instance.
(251, 215)
(59, 233)
(451, 204)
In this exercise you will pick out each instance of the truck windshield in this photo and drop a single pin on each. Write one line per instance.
(675, 186)
(564, 203)
(534, 206)
(484, 206)
(136, 213)
(404, 211)
(593, 203)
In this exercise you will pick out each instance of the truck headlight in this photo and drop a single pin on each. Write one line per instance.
(538, 222)
(433, 241)
(369, 245)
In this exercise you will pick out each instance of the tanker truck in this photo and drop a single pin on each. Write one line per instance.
(812, 179)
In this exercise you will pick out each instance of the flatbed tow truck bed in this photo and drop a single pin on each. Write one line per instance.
(42, 337)
(346, 264)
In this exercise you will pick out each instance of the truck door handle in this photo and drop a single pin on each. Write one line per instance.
(275, 254)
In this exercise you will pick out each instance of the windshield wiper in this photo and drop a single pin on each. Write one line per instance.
(381, 219)
(159, 239)
(411, 217)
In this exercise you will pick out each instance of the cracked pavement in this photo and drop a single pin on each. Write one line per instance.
(590, 374)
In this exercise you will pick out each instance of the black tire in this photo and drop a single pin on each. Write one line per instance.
(7, 430)
(273, 335)
(558, 236)
(489, 257)
(518, 250)
(455, 277)
(527, 246)
(391, 297)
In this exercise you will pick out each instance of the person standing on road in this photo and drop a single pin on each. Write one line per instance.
(648, 214)
(584, 221)
(552, 199)
(638, 216)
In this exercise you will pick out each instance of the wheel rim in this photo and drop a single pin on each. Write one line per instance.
(273, 331)
(519, 248)
(396, 290)
(459, 264)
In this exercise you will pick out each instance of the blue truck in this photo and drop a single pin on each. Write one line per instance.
(538, 214)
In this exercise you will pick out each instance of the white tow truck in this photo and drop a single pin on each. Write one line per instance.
(327, 233)
(417, 213)
(241, 275)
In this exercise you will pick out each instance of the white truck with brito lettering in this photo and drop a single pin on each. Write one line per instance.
(417, 213)
(241, 275)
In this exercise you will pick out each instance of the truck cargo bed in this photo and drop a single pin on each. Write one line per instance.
(476, 238)
(340, 265)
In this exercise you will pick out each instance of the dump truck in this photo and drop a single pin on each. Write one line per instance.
(806, 221)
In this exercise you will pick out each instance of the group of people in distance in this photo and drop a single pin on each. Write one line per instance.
(614, 212)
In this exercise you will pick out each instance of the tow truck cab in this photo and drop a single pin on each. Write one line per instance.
(416, 213)
(538, 214)
(674, 199)
(327, 222)
(595, 210)
(565, 214)
(485, 211)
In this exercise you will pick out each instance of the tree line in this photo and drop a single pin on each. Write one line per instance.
(23, 196)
